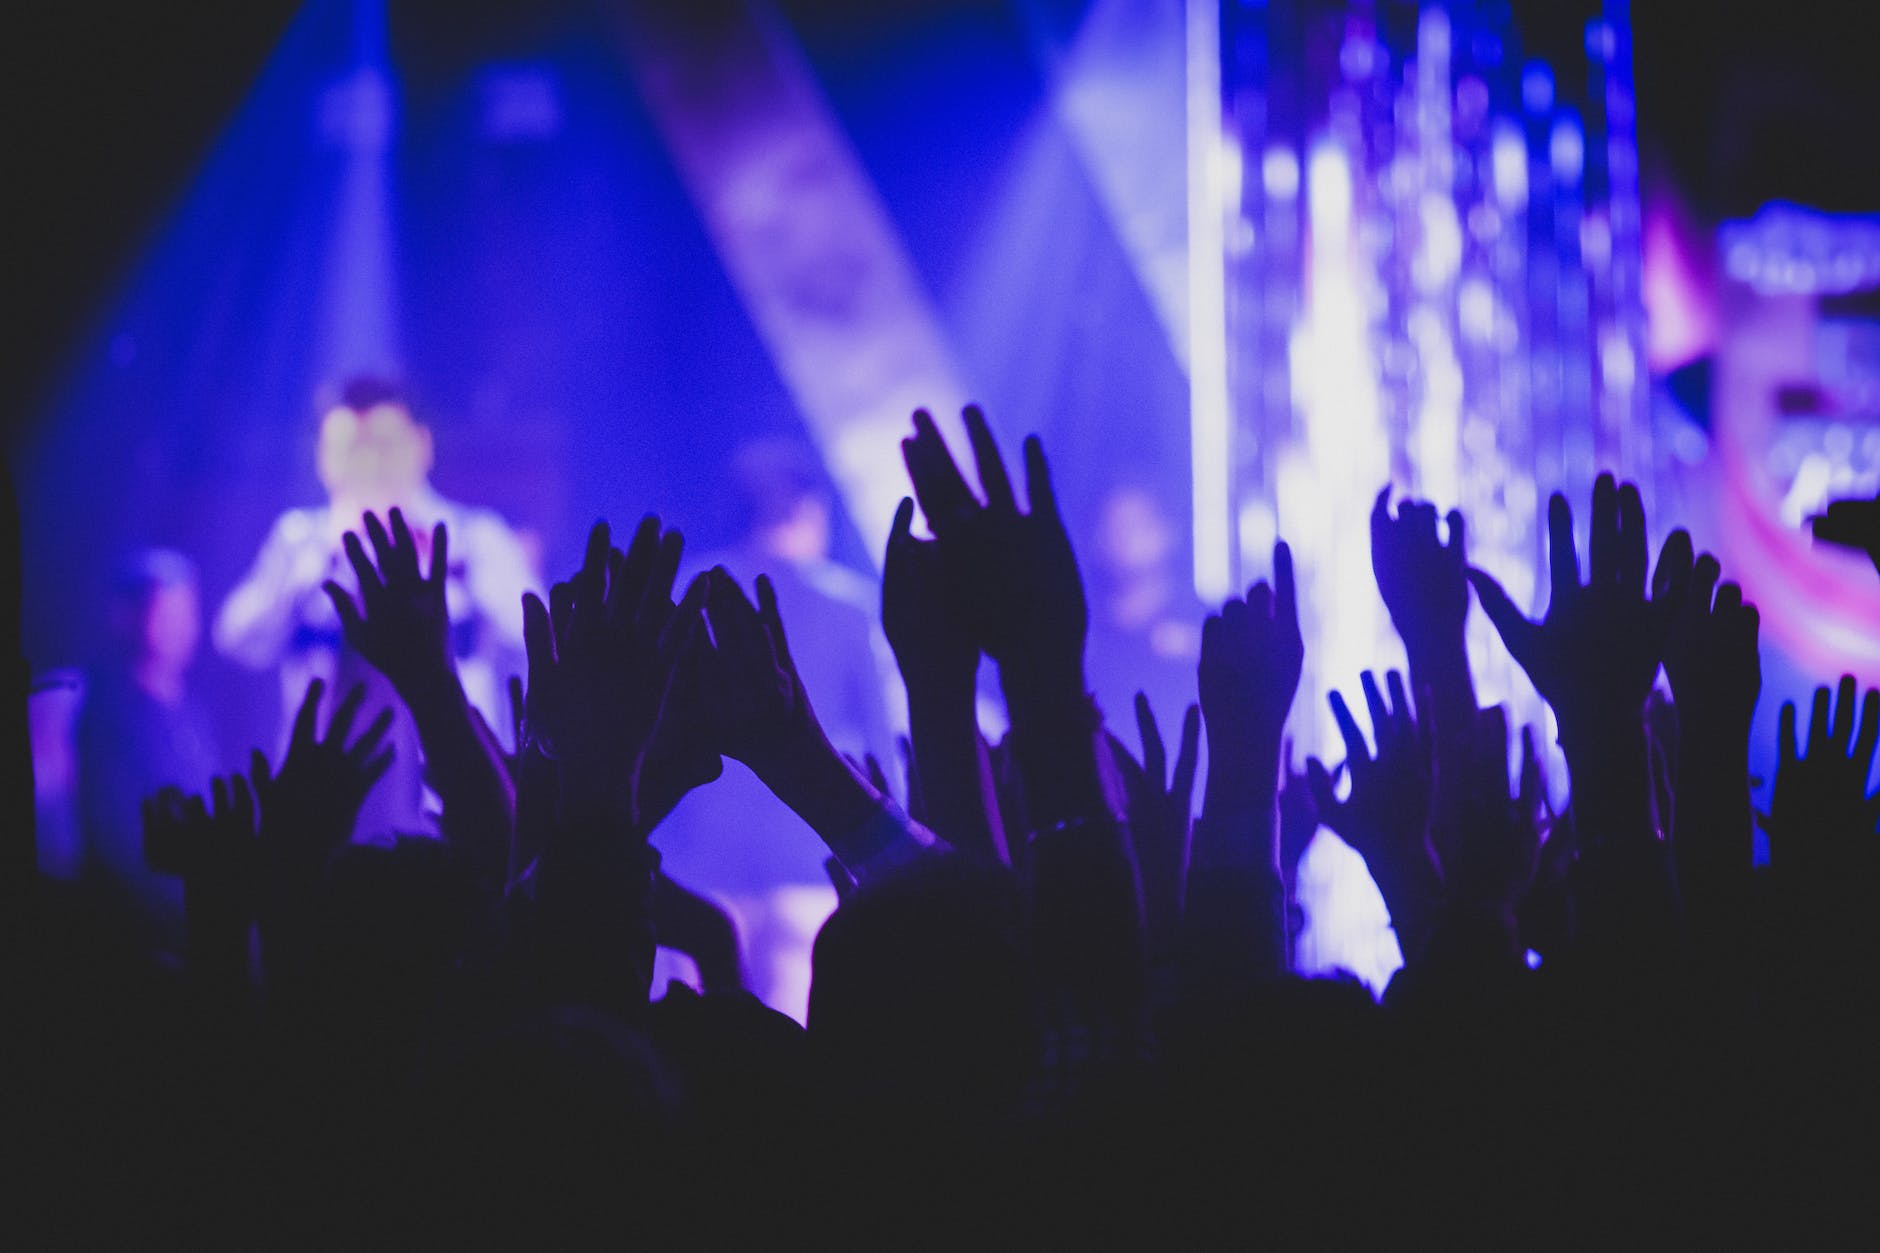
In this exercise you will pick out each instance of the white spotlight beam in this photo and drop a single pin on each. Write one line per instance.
(805, 239)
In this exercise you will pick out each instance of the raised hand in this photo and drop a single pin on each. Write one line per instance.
(1161, 811)
(309, 806)
(761, 716)
(1298, 813)
(400, 622)
(760, 710)
(1423, 579)
(1386, 816)
(1710, 652)
(212, 848)
(1853, 524)
(1028, 604)
(923, 609)
(1026, 610)
(1497, 851)
(602, 662)
(1822, 815)
(1594, 655)
(1711, 658)
(1251, 658)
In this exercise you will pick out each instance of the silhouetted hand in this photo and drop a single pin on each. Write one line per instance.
(923, 609)
(760, 710)
(1710, 651)
(1161, 810)
(400, 623)
(309, 807)
(1251, 658)
(212, 848)
(1495, 859)
(1821, 814)
(1423, 580)
(603, 659)
(1386, 817)
(1595, 654)
(1027, 604)
(1851, 524)
(211, 844)
(1026, 610)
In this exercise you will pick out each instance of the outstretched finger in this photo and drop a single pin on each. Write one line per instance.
(404, 547)
(1672, 576)
(1602, 542)
(1356, 750)
(368, 574)
(440, 554)
(1285, 592)
(302, 736)
(1040, 496)
(370, 739)
(1399, 698)
(1631, 549)
(1187, 759)
(381, 545)
(538, 639)
(772, 620)
(1787, 751)
(1458, 545)
(588, 594)
(1382, 724)
(340, 724)
(1562, 558)
(656, 597)
(901, 533)
(1869, 736)
(1154, 752)
(938, 484)
(351, 622)
(993, 480)
(1510, 623)
(1844, 698)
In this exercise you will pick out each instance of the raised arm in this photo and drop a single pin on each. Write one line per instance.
(401, 626)
(1251, 658)
(1593, 657)
(921, 611)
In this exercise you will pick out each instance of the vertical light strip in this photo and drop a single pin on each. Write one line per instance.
(1208, 412)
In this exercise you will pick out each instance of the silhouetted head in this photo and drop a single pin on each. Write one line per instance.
(922, 993)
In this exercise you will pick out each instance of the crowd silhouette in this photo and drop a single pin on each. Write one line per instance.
(1055, 1002)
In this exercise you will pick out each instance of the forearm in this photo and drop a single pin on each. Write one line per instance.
(1087, 918)
(1239, 826)
(1057, 743)
(865, 830)
(957, 798)
(1610, 767)
(592, 935)
(479, 799)
(1233, 926)
(1714, 828)
(1624, 894)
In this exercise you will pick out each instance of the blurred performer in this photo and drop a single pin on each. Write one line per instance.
(1145, 620)
(373, 455)
(139, 731)
(734, 839)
